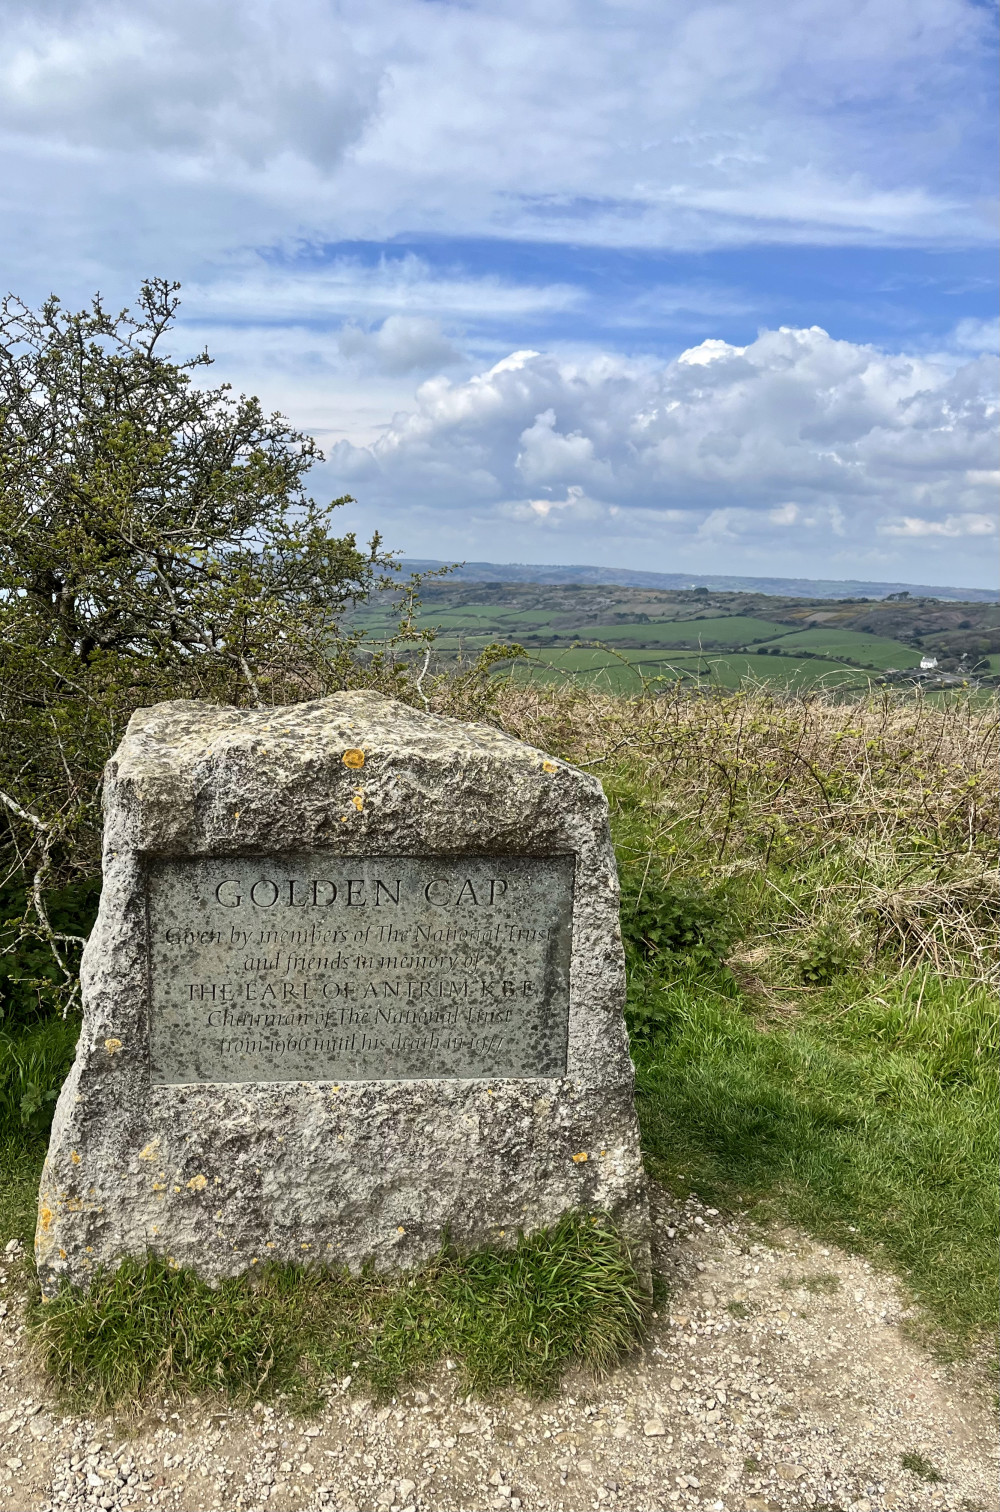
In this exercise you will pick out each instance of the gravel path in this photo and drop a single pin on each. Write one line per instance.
(777, 1377)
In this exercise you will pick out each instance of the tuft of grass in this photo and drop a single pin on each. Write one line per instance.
(20, 1172)
(919, 1465)
(34, 1063)
(507, 1318)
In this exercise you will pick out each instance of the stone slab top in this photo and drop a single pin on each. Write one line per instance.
(350, 772)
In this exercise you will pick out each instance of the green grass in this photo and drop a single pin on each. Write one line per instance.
(515, 1318)
(625, 671)
(819, 1044)
(726, 630)
(846, 1122)
(875, 651)
(34, 1061)
(921, 1467)
(786, 672)
(21, 1159)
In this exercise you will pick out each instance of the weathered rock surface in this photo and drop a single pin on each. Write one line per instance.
(219, 1175)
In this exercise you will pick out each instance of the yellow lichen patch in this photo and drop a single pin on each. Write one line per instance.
(579, 1159)
(74, 1157)
(45, 1217)
(197, 1183)
(354, 758)
(359, 799)
(549, 766)
(400, 1229)
(62, 1254)
(112, 1046)
(150, 1151)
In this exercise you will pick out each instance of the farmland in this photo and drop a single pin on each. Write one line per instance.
(624, 639)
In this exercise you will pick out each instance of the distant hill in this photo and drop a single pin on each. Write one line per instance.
(816, 588)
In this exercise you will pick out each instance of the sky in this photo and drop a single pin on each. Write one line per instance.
(695, 286)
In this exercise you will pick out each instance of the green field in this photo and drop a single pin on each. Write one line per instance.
(616, 638)
(625, 671)
(725, 630)
(874, 651)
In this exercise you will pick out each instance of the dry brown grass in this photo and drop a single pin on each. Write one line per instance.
(882, 762)
(896, 797)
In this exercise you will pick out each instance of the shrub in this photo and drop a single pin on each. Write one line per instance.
(825, 957)
(678, 920)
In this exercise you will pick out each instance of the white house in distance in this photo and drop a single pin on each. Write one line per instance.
(928, 663)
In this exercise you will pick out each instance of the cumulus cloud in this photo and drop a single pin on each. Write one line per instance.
(972, 335)
(255, 148)
(796, 438)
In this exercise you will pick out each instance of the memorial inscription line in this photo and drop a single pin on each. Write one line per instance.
(351, 893)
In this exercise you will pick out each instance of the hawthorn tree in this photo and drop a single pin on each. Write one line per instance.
(156, 541)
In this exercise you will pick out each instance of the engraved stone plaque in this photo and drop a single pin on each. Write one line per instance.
(306, 967)
(354, 990)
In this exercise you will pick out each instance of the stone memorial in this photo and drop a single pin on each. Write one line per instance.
(355, 985)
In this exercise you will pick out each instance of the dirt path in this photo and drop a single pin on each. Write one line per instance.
(776, 1377)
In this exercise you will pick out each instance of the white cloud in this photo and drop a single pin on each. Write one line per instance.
(169, 132)
(977, 335)
(576, 507)
(251, 288)
(797, 442)
(402, 344)
(546, 456)
(204, 83)
(711, 350)
(952, 526)
(240, 145)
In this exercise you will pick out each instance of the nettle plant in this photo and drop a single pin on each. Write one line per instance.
(156, 541)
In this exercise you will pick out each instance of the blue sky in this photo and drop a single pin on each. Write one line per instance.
(695, 286)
